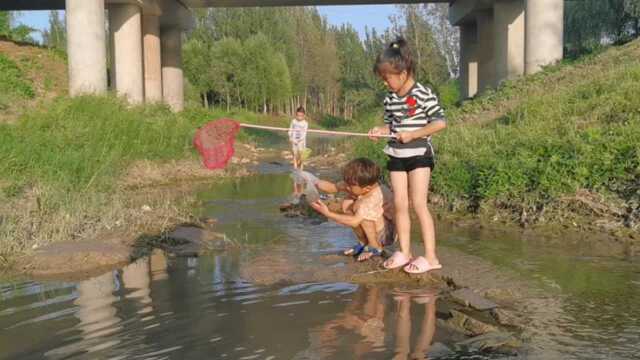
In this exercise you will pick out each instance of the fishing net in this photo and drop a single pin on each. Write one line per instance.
(309, 180)
(215, 141)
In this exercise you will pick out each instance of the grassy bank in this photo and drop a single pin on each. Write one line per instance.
(63, 163)
(558, 145)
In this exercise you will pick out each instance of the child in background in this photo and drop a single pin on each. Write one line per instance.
(368, 210)
(298, 137)
(411, 113)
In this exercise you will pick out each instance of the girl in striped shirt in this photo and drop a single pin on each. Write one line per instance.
(412, 114)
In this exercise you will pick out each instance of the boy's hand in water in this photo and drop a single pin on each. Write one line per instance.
(320, 207)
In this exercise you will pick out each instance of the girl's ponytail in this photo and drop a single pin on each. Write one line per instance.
(396, 58)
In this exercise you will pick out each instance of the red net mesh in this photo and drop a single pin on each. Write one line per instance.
(215, 142)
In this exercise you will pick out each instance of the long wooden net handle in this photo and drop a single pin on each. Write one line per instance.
(327, 132)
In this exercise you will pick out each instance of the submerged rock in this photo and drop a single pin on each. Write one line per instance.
(507, 318)
(469, 298)
(468, 325)
(439, 350)
(501, 342)
(193, 241)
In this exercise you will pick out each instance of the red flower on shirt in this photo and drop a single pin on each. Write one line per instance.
(411, 104)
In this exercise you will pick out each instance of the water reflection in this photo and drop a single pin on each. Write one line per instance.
(377, 323)
(198, 307)
(404, 325)
(96, 303)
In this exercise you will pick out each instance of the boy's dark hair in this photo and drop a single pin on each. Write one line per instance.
(361, 172)
(395, 59)
(300, 109)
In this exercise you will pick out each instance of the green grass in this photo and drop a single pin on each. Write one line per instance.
(62, 163)
(575, 126)
(85, 143)
(12, 80)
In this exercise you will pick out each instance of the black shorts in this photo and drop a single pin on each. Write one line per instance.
(411, 163)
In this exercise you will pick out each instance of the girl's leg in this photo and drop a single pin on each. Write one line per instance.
(403, 327)
(427, 331)
(295, 159)
(419, 189)
(400, 184)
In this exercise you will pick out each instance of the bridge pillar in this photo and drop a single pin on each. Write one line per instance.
(172, 78)
(468, 60)
(152, 58)
(125, 25)
(544, 32)
(486, 54)
(86, 47)
(509, 41)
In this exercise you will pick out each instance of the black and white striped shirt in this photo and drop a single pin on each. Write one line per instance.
(413, 111)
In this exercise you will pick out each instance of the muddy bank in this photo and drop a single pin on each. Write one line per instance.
(149, 201)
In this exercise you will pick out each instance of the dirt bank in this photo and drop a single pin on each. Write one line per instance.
(149, 202)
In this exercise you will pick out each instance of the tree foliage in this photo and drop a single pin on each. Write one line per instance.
(55, 37)
(13, 31)
(589, 24)
(275, 59)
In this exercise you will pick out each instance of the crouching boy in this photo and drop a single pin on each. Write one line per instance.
(368, 209)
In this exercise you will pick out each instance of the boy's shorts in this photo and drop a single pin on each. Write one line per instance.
(298, 148)
(411, 163)
(387, 236)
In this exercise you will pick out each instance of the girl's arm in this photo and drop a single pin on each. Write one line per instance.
(290, 132)
(430, 129)
(304, 130)
(429, 102)
(377, 131)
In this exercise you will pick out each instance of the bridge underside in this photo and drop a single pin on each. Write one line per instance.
(60, 4)
(499, 40)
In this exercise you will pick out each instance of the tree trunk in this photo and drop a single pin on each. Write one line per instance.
(205, 97)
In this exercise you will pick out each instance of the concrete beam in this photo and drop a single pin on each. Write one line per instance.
(544, 33)
(152, 58)
(463, 11)
(172, 77)
(86, 47)
(509, 40)
(244, 3)
(486, 53)
(468, 60)
(125, 25)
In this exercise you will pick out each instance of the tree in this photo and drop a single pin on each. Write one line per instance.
(56, 36)
(431, 64)
(8, 28)
(446, 35)
(592, 23)
(6, 23)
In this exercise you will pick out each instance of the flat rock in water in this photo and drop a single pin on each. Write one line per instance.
(507, 317)
(469, 325)
(438, 350)
(469, 298)
(194, 234)
(495, 341)
(191, 240)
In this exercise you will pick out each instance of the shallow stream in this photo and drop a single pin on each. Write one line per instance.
(193, 308)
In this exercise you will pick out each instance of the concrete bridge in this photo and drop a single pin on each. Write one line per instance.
(500, 39)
